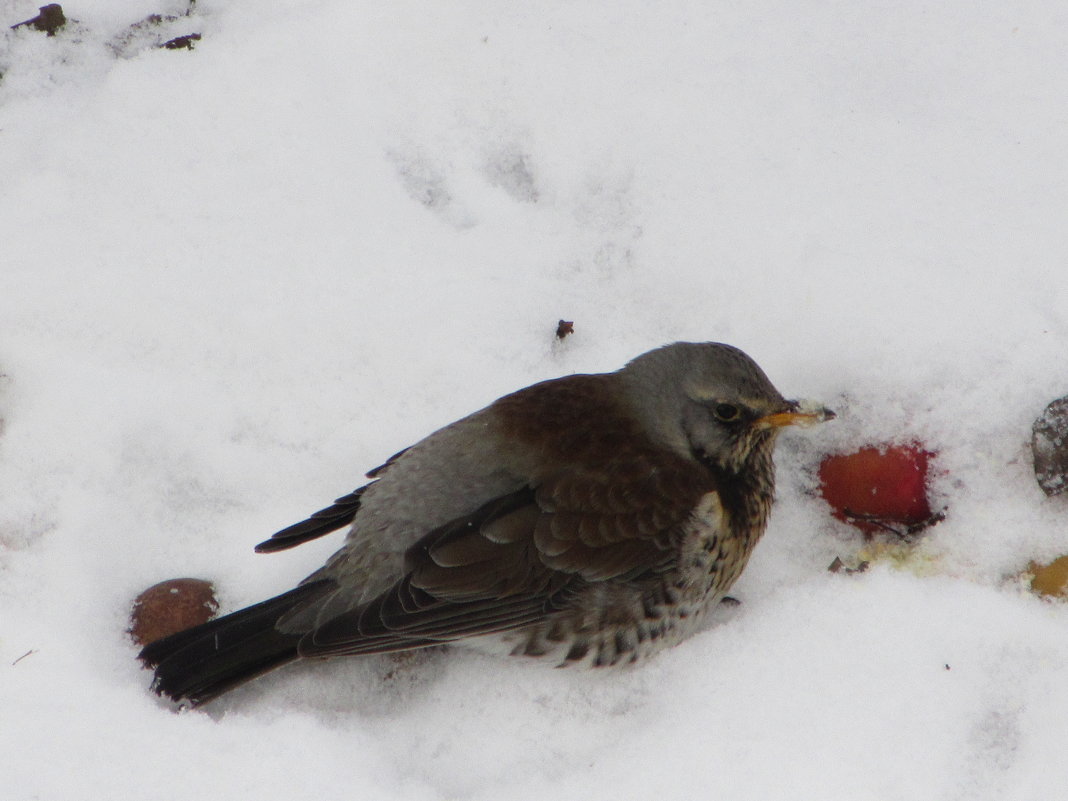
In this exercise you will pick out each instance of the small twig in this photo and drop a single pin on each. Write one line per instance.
(28, 653)
(910, 530)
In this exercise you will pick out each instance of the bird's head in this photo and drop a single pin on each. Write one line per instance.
(712, 402)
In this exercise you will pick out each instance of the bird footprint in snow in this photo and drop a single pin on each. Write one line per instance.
(435, 185)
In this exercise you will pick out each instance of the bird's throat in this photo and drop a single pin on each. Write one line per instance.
(747, 492)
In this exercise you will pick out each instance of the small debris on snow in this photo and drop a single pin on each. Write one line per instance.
(50, 20)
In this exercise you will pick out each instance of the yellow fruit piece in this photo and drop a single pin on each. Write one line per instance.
(900, 555)
(1051, 579)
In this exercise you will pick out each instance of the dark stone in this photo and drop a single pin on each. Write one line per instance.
(1049, 444)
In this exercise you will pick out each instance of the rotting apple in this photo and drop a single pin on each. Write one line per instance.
(171, 606)
(1050, 580)
(880, 488)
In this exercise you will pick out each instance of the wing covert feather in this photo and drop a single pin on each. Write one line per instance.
(522, 555)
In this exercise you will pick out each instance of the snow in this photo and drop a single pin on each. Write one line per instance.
(233, 279)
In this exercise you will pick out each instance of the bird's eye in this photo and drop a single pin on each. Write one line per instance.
(726, 412)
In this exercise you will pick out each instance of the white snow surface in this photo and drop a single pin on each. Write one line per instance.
(233, 279)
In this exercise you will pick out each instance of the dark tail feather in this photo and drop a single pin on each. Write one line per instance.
(319, 524)
(201, 663)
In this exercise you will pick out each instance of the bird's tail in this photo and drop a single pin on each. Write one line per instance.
(199, 664)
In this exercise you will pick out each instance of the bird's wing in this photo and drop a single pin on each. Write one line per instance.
(524, 555)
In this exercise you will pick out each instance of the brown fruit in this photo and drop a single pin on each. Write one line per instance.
(1052, 579)
(878, 486)
(171, 606)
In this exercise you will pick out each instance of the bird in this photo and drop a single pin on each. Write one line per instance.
(589, 521)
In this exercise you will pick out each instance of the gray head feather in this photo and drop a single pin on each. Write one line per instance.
(675, 390)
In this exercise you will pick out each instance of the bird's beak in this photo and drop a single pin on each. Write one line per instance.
(797, 413)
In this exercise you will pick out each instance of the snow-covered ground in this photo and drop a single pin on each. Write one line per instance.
(232, 279)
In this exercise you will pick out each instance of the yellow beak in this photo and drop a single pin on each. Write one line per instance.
(799, 413)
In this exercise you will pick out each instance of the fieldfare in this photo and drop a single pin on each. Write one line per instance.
(588, 520)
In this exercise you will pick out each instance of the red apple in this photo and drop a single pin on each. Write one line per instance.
(879, 487)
